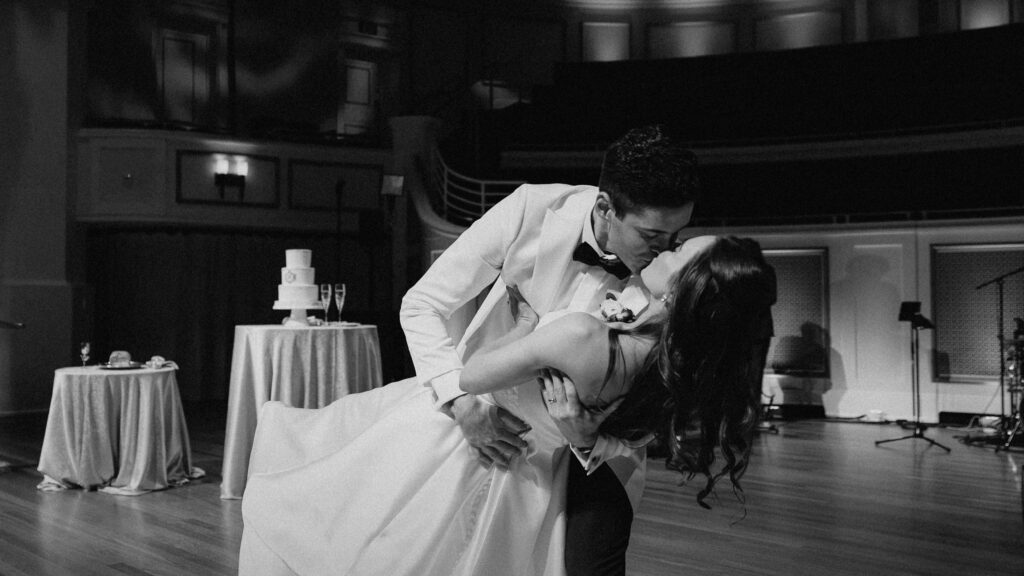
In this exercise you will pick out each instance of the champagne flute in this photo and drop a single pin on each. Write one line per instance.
(83, 351)
(325, 299)
(339, 298)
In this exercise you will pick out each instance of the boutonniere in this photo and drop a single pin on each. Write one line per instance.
(625, 306)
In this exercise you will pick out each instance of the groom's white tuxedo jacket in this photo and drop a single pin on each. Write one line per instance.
(526, 240)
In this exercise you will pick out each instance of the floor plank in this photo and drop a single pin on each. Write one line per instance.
(821, 498)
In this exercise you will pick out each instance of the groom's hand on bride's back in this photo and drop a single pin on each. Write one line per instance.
(493, 433)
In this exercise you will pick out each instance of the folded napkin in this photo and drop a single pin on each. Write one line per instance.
(161, 362)
(314, 321)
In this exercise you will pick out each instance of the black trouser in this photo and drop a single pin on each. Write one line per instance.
(599, 517)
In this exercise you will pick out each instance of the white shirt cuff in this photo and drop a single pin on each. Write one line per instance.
(597, 455)
(446, 388)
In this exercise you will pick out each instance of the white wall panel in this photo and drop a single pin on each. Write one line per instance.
(983, 13)
(605, 41)
(686, 39)
(893, 19)
(798, 30)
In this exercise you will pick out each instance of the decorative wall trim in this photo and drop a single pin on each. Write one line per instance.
(155, 177)
(261, 190)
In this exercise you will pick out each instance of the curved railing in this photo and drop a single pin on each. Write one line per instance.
(463, 198)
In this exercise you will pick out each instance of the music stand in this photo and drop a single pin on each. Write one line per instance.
(911, 312)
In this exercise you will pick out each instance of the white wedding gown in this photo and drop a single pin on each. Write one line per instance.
(380, 483)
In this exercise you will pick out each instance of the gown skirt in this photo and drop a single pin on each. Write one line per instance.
(381, 483)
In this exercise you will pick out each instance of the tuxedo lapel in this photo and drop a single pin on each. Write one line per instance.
(539, 273)
(559, 235)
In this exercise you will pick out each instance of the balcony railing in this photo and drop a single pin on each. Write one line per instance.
(463, 198)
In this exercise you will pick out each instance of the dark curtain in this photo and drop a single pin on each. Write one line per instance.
(180, 294)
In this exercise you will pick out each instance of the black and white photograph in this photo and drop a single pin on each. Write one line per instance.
(521, 288)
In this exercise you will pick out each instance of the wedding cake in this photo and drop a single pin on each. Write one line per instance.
(298, 285)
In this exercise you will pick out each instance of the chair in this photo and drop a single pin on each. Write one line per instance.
(767, 414)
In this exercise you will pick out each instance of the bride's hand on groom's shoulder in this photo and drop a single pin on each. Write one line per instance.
(523, 314)
(577, 424)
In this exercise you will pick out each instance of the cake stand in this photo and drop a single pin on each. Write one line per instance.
(298, 316)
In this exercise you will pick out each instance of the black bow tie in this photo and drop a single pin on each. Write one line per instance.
(586, 254)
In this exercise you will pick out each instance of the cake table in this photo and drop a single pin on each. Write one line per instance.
(302, 366)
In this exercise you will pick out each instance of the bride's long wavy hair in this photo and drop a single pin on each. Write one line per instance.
(700, 387)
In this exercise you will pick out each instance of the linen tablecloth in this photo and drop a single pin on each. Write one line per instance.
(305, 367)
(122, 431)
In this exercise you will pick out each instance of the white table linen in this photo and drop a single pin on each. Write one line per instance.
(122, 431)
(305, 367)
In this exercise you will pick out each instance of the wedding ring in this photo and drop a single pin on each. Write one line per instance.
(551, 400)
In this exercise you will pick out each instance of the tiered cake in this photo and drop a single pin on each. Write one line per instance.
(297, 290)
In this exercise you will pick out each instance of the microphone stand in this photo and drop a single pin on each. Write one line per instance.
(998, 280)
(1017, 346)
(339, 190)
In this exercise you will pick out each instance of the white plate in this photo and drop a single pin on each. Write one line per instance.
(131, 366)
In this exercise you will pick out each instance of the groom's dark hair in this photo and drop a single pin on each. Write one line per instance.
(649, 168)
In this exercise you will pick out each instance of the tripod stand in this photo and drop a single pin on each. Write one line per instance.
(911, 312)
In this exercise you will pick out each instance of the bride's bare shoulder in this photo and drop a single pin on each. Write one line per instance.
(577, 345)
(573, 337)
(578, 326)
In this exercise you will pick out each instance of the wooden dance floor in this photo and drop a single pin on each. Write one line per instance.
(821, 498)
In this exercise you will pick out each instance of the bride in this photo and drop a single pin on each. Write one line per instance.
(381, 483)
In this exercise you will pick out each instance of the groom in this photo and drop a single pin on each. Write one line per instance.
(564, 247)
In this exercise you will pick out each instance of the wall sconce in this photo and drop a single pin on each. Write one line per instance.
(226, 173)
